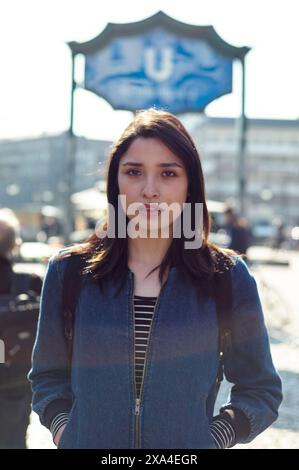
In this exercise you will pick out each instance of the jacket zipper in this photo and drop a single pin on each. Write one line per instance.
(138, 400)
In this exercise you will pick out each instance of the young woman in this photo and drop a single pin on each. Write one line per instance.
(145, 348)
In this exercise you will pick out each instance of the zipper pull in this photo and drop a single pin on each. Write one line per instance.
(137, 406)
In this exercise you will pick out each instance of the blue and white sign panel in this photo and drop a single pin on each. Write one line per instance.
(158, 68)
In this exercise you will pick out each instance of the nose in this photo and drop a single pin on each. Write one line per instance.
(150, 189)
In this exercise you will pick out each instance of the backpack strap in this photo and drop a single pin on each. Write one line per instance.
(72, 281)
(223, 297)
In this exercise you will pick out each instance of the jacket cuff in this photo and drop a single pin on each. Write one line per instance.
(55, 408)
(239, 421)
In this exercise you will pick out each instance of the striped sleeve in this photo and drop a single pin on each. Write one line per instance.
(229, 428)
(223, 433)
(60, 420)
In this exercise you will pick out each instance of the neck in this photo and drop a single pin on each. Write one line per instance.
(147, 251)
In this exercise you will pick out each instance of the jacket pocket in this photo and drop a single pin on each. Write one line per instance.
(69, 433)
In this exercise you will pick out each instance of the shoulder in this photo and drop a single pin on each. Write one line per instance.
(228, 260)
(65, 258)
(224, 259)
(241, 277)
(245, 293)
(63, 254)
(240, 273)
(240, 270)
(57, 264)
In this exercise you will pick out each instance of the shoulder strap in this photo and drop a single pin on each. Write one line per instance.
(72, 281)
(223, 291)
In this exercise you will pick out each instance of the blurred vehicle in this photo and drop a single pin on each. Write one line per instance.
(218, 233)
(80, 236)
(294, 237)
(263, 231)
(220, 238)
(35, 252)
(33, 257)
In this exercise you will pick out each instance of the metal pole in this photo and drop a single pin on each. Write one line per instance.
(70, 163)
(242, 145)
(73, 87)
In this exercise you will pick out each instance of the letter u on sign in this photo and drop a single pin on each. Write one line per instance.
(164, 71)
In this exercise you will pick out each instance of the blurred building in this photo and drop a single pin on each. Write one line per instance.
(33, 170)
(271, 165)
(33, 174)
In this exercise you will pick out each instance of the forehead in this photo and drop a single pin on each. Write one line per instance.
(149, 149)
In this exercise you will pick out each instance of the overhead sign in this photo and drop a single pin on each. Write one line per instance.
(158, 62)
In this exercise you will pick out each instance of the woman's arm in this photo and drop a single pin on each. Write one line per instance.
(49, 374)
(256, 389)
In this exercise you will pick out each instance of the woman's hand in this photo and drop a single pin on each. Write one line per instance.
(58, 435)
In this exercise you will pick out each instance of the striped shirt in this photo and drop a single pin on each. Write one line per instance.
(143, 314)
(221, 428)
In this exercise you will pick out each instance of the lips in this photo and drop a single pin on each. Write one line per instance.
(154, 207)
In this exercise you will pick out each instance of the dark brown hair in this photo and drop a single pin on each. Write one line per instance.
(108, 257)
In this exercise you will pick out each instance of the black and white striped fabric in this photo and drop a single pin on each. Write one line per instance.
(223, 433)
(143, 314)
(60, 420)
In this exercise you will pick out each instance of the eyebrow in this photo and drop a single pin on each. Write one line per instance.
(163, 165)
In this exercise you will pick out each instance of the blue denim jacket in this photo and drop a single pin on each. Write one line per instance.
(177, 401)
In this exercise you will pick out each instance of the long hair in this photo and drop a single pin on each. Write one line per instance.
(108, 257)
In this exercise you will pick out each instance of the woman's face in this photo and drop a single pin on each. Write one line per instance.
(149, 173)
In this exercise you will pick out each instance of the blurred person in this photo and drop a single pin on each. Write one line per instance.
(91, 223)
(51, 226)
(280, 236)
(239, 231)
(17, 333)
(136, 363)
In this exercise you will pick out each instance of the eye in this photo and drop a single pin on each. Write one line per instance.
(129, 172)
(136, 172)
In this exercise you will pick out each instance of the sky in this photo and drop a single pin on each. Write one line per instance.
(35, 61)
